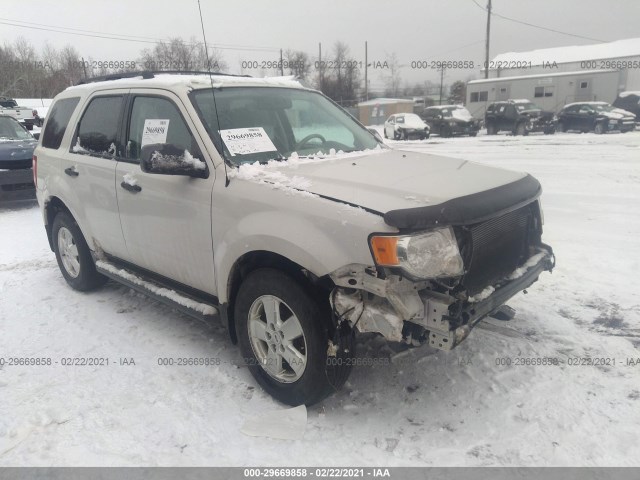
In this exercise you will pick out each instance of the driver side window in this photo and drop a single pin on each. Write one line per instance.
(158, 120)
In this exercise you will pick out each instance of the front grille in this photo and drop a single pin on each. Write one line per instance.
(496, 248)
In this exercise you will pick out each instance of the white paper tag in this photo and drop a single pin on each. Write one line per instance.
(154, 131)
(241, 141)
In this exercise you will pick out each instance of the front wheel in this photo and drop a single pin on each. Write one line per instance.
(491, 129)
(283, 337)
(73, 254)
(599, 129)
(521, 129)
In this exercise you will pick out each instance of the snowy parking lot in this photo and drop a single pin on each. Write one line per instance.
(557, 385)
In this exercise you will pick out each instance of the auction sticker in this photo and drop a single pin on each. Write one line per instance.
(155, 131)
(242, 141)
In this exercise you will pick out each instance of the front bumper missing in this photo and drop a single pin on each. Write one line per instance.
(410, 312)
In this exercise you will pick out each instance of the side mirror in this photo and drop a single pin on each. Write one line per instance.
(36, 135)
(168, 159)
(375, 133)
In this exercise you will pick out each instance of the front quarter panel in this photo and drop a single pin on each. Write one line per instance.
(318, 234)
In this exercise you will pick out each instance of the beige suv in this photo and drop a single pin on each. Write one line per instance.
(262, 204)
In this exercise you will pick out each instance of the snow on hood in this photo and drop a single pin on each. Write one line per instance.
(382, 180)
(413, 121)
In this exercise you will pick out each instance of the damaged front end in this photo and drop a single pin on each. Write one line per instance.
(500, 255)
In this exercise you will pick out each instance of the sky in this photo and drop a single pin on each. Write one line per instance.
(254, 31)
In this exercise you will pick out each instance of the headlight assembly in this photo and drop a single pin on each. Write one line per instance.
(426, 255)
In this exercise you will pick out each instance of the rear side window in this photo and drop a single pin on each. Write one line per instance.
(57, 122)
(98, 128)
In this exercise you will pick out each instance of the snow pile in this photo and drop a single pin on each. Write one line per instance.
(163, 292)
(163, 161)
(533, 261)
(129, 179)
(255, 172)
(77, 148)
(483, 295)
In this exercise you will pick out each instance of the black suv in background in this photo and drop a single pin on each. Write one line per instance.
(450, 120)
(16, 154)
(520, 117)
(629, 101)
(597, 117)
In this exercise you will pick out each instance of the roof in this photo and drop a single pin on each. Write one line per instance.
(539, 75)
(586, 103)
(577, 53)
(626, 94)
(446, 106)
(187, 82)
(384, 101)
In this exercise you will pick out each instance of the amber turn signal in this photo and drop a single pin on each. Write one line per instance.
(385, 250)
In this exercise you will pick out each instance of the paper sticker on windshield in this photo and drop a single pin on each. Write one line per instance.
(242, 141)
(154, 131)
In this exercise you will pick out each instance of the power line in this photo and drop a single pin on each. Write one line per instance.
(539, 26)
(117, 36)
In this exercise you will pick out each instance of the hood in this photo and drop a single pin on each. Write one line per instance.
(16, 149)
(624, 113)
(397, 180)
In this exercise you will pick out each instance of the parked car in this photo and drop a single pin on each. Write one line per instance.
(630, 102)
(16, 153)
(262, 204)
(24, 115)
(597, 117)
(404, 126)
(450, 120)
(520, 117)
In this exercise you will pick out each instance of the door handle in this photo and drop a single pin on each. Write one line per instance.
(131, 188)
(71, 171)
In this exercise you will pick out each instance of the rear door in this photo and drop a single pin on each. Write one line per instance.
(166, 219)
(88, 171)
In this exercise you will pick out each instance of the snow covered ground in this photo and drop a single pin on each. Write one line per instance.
(415, 407)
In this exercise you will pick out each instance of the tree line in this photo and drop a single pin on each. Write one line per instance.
(28, 73)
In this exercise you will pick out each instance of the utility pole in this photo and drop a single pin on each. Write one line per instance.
(486, 48)
(320, 68)
(366, 67)
(281, 65)
(441, 82)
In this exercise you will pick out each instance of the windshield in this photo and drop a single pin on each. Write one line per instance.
(11, 130)
(270, 123)
(523, 107)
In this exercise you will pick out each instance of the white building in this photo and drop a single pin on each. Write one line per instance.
(553, 77)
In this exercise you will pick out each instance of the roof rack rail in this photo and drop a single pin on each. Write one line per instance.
(147, 74)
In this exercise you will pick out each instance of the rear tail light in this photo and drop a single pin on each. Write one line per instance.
(34, 164)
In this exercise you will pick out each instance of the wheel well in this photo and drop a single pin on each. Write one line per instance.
(52, 208)
(318, 288)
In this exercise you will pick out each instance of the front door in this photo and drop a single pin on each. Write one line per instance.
(166, 219)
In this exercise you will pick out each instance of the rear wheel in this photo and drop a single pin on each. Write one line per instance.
(560, 127)
(73, 254)
(445, 131)
(283, 336)
(491, 129)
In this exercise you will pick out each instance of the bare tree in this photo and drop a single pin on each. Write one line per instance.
(298, 63)
(176, 54)
(392, 78)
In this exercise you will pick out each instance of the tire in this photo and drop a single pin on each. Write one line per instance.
(599, 128)
(385, 133)
(521, 129)
(306, 348)
(445, 132)
(397, 135)
(427, 135)
(473, 134)
(491, 129)
(73, 254)
(560, 127)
